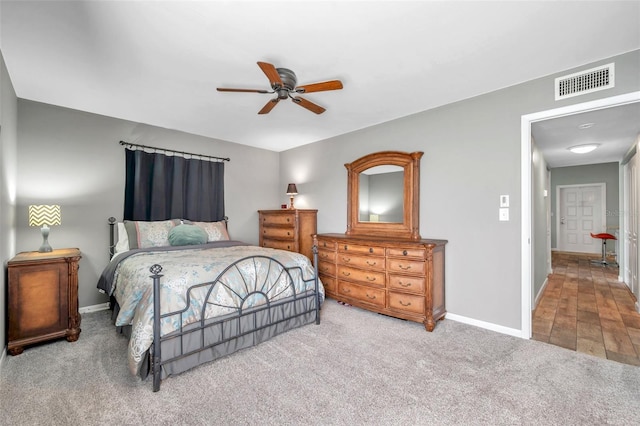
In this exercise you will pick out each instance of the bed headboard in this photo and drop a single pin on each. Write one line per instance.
(113, 232)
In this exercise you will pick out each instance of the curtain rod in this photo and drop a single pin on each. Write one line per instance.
(174, 151)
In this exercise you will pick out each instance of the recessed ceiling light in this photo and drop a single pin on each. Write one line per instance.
(583, 149)
(585, 126)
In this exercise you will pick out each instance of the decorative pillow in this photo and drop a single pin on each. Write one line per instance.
(148, 234)
(184, 235)
(216, 231)
(123, 239)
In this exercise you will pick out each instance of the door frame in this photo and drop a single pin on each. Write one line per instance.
(526, 260)
(603, 208)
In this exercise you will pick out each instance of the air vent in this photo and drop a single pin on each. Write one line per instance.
(587, 81)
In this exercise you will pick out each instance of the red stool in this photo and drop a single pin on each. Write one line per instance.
(604, 237)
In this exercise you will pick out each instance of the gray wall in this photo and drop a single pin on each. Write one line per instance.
(609, 173)
(539, 205)
(472, 156)
(73, 158)
(8, 147)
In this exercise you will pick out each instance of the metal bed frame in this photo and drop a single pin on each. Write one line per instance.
(246, 326)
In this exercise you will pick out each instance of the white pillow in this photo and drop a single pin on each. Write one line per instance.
(123, 239)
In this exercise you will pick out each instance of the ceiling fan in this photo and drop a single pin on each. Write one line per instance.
(283, 82)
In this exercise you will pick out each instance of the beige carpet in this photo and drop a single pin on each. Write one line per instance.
(356, 367)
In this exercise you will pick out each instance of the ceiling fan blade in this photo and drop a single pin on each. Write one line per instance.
(271, 73)
(223, 89)
(308, 105)
(269, 106)
(320, 87)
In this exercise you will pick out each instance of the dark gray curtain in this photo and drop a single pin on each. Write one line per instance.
(160, 187)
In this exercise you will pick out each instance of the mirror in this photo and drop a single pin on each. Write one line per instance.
(383, 195)
(380, 197)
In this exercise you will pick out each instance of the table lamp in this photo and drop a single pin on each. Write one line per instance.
(45, 216)
(291, 191)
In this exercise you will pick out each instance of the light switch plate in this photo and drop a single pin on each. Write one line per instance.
(504, 201)
(503, 214)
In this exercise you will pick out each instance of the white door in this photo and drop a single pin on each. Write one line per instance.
(580, 212)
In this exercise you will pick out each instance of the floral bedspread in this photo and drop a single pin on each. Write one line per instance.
(133, 288)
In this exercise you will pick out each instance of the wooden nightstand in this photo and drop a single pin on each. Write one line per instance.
(288, 229)
(43, 298)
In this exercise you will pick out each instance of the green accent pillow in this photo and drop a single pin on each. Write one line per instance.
(185, 235)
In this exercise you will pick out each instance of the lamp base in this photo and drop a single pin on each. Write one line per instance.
(291, 202)
(45, 247)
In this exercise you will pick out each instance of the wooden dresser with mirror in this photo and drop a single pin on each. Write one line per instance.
(381, 263)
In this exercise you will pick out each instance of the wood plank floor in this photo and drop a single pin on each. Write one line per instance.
(585, 308)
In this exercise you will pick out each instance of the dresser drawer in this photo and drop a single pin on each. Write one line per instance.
(374, 296)
(416, 253)
(279, 220)
(367, 262)
(406, 302)
(329, 283)
(283, 245)
(279, 233)
(359, 275)
(407, 283)
(405, 265)
(324, 244)
(327, 268)
(361, 249)
(329, 256)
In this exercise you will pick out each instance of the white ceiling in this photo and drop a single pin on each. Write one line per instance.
(159, 62)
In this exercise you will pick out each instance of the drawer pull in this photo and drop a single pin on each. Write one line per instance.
(404, 268)
(345, 273)
(345, 247)
(404, 284)
(371, 278)
(346, 259)
(404, 252)
(370, 249)
(346, 290)
(288, 220)
(370, 297)
(324, 255)
(288, 233)
(372, 263)
(404, 304)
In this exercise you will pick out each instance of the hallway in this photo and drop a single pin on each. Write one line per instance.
(585, 308)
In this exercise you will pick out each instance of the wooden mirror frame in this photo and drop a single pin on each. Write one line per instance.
(410, 226)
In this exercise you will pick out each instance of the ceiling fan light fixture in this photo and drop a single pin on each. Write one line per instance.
(583, 149)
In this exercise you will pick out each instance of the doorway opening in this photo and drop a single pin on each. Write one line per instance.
(528, 245)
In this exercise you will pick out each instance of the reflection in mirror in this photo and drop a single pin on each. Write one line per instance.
(381, 194)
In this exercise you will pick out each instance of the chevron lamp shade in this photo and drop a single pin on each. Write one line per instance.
(40, 215)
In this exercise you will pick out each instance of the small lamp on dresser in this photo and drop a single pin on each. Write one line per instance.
(44, 216)
(291, 191)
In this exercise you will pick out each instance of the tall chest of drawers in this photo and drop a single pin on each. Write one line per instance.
(288, 229)
(399, 278)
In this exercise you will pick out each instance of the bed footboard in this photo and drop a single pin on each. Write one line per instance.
(263, 310)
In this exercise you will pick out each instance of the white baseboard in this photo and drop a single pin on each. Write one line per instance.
(94, 308)
(539, 295)
(486, 325)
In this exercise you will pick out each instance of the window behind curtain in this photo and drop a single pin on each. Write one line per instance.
(160, 187)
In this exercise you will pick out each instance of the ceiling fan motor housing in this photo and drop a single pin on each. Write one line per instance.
(288, 78)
